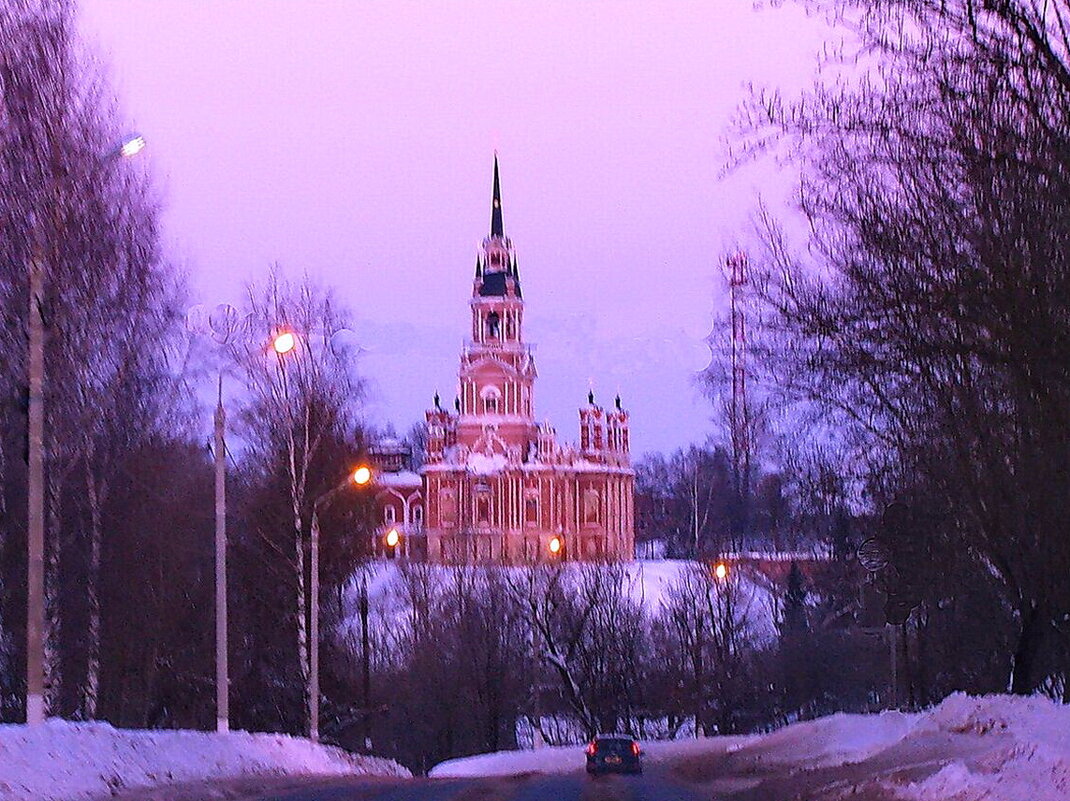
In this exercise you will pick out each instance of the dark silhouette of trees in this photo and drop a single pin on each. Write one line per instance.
(932, 325)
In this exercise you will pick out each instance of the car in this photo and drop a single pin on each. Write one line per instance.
(614, 753)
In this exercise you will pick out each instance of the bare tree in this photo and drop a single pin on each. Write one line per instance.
(301, 406)
(85, 226)
(934, 322)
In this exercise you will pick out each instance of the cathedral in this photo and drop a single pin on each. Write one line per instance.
(496, 486)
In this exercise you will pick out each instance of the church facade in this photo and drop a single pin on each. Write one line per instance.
(496, 486)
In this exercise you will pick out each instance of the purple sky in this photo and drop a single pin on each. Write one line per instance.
(353, 141)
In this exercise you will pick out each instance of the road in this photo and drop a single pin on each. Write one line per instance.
(758, 772)
(654, 786)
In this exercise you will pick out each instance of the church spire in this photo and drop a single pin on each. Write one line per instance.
(496, 226)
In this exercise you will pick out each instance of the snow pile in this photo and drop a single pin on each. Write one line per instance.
(63, 760)
(990, 748)
(1029, 759)
(551, 759)
(839, 739)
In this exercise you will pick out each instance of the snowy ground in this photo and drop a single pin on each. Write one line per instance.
(994, 748)
(68, 761)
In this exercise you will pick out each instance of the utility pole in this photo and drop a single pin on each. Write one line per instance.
(739, 409)
(35, 590)
(361, 477)
(222, 681)
(314, 632)
(35, 455)
(365, 658)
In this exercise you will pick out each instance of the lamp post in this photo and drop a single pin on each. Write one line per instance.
(35, 490)
(223, 326)
(222, 673)
(360, 477)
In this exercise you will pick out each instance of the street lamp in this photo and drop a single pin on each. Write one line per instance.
(720, 570)
(392, 538)
(131, 146)
(555, 546)
(360, 477)
(35, 480)
(284, 342)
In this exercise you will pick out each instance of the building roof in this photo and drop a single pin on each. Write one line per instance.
(497, 227)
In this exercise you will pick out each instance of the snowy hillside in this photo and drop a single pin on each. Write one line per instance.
(993, 748)
(648, 582)
(63, 760)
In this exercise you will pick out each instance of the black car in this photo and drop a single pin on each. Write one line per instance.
(613, 753)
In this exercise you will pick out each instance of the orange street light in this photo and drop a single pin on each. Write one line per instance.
(720, 570)
(392, 538)
(555, 545)
(362, 475)
(284, 343)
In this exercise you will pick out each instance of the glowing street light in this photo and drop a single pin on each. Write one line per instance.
(555, 545)
(133, 145)
(392, 538)
(720, 570)
(362, 475)
(284, 343)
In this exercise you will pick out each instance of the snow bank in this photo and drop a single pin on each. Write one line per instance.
(551, 759)
(571, 758)
(63, 760)
(990, 748)
(1029, 759)
(836, 740)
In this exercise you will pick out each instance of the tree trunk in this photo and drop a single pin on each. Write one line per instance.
(1030, 638)
(299, 569)
(53, 667)
(91, 688)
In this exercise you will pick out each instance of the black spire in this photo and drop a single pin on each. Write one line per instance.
(479, 268)
(496, 226)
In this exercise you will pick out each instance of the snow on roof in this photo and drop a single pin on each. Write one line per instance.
(482, 464)
(402, 479)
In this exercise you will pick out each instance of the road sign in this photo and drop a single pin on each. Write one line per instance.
(872, 555)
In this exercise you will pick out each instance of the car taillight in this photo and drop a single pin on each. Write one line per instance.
(592, 749)
(635, 749)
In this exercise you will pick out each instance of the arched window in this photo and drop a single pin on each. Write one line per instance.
(491, 400)
(418, 515)
(590, 506)
(493, 324)
(389, 514)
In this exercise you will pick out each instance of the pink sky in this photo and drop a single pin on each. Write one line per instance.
(353, 141)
